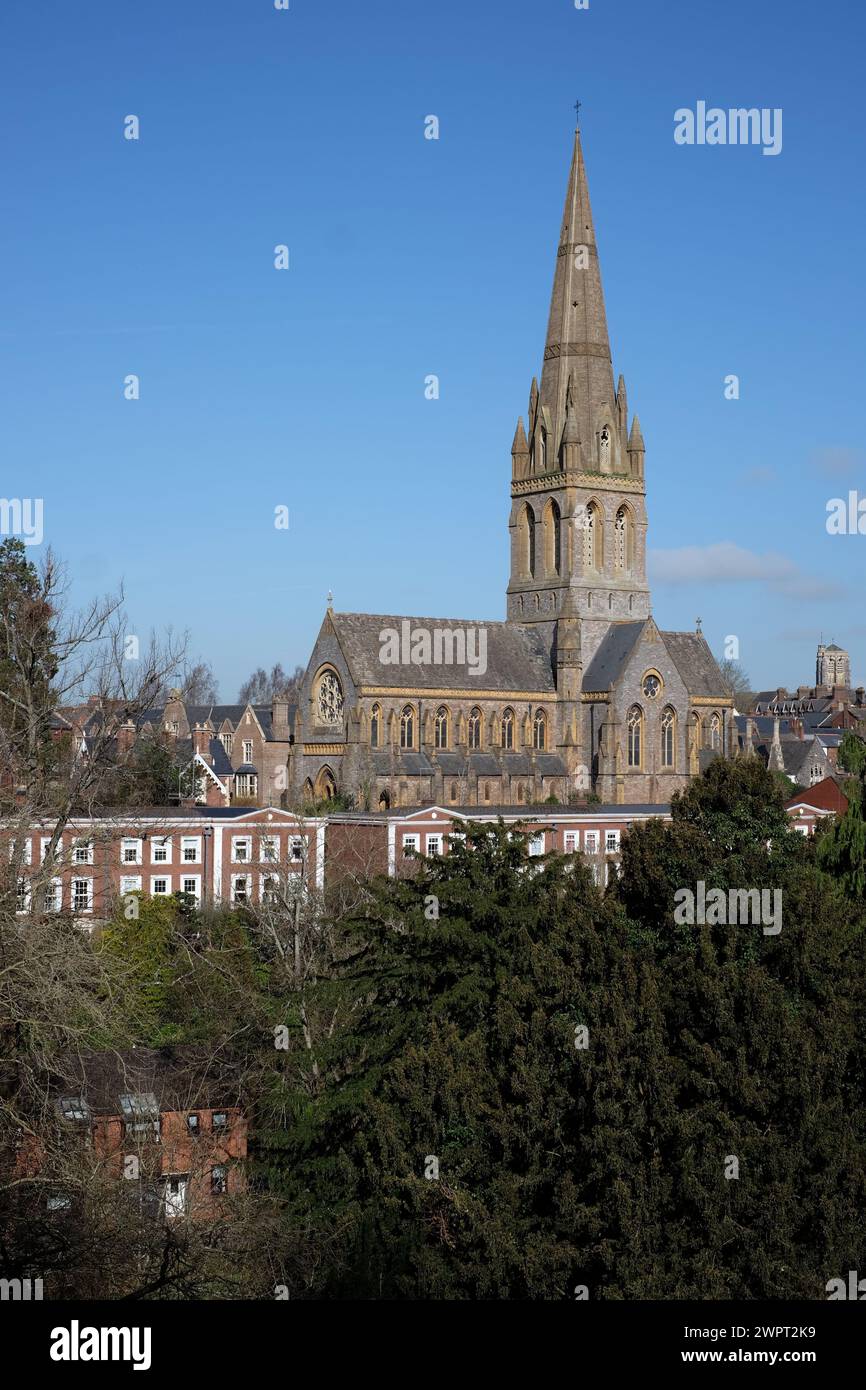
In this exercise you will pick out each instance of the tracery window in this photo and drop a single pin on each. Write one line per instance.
(407, 728)
(668, 730)
(440, 728)
(635, 736)
(475, 729)
(375, 722)
(330, 699)
(539, 730)
(715, 733)
(592, 538)
(507, 732)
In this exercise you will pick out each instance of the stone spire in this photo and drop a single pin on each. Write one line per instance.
(577, 341)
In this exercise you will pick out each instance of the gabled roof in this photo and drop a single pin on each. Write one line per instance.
(696, 664)
(613, 655)
(517, 657)
(824, 796)
(177, 1078)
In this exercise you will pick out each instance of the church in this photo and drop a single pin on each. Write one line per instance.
(579, 692)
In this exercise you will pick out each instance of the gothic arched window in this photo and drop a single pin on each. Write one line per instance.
(384, 801)
(635, 736)
(593, 543)
(526, 541)
(668, 729)
(539, 730)
(329, 699)
(552, 538)
(623, 542)
(475, 729)
(715, 733)
(543, 449)
(375, 723)
(407, 728)
(604, 449)
(507, 731)
(440, 728)
(697, 731)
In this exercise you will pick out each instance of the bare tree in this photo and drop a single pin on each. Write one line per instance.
(264, 686)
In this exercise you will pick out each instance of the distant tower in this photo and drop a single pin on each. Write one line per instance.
(833, 667)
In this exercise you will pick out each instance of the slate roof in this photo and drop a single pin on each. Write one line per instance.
(610, 660)
(181, 1078)
(518, 658)
(217, 714)
(696, 664)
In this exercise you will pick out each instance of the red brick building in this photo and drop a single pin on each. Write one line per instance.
(168, 1121)
(214, 855)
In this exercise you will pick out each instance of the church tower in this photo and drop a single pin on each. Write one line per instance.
(578, 515)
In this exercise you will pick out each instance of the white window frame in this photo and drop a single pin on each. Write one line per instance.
(195, 842)
(536, 844)
(160, 878)
(246, 879)
(175, 1204)
(24, 883)
(411, 841)
(130, 883)
(27, 857)
(164, 843)
(591, 841)
(77, 846)
(571, 841)
(56, 887)
(271, 842)
(264, 880)
(243, 840)
(296, 849)
(248, 750)
(89, 882)
(44, 842)
(134, 842)
(433, 843)
(611, 842)
(195, 879)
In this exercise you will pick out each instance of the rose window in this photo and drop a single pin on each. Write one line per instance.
(330, 699)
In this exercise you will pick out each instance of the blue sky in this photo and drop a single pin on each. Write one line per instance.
(305, 388)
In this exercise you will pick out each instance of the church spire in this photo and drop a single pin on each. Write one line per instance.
(577, 341)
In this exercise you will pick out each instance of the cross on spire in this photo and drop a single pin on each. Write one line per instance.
(577, 106)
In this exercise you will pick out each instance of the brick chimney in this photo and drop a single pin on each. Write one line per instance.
(280, 719)
(201, 743)
(125, 736)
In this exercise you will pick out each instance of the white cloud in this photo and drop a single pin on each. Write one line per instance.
(727, 563)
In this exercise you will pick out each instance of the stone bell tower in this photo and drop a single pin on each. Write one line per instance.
(578, 514)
